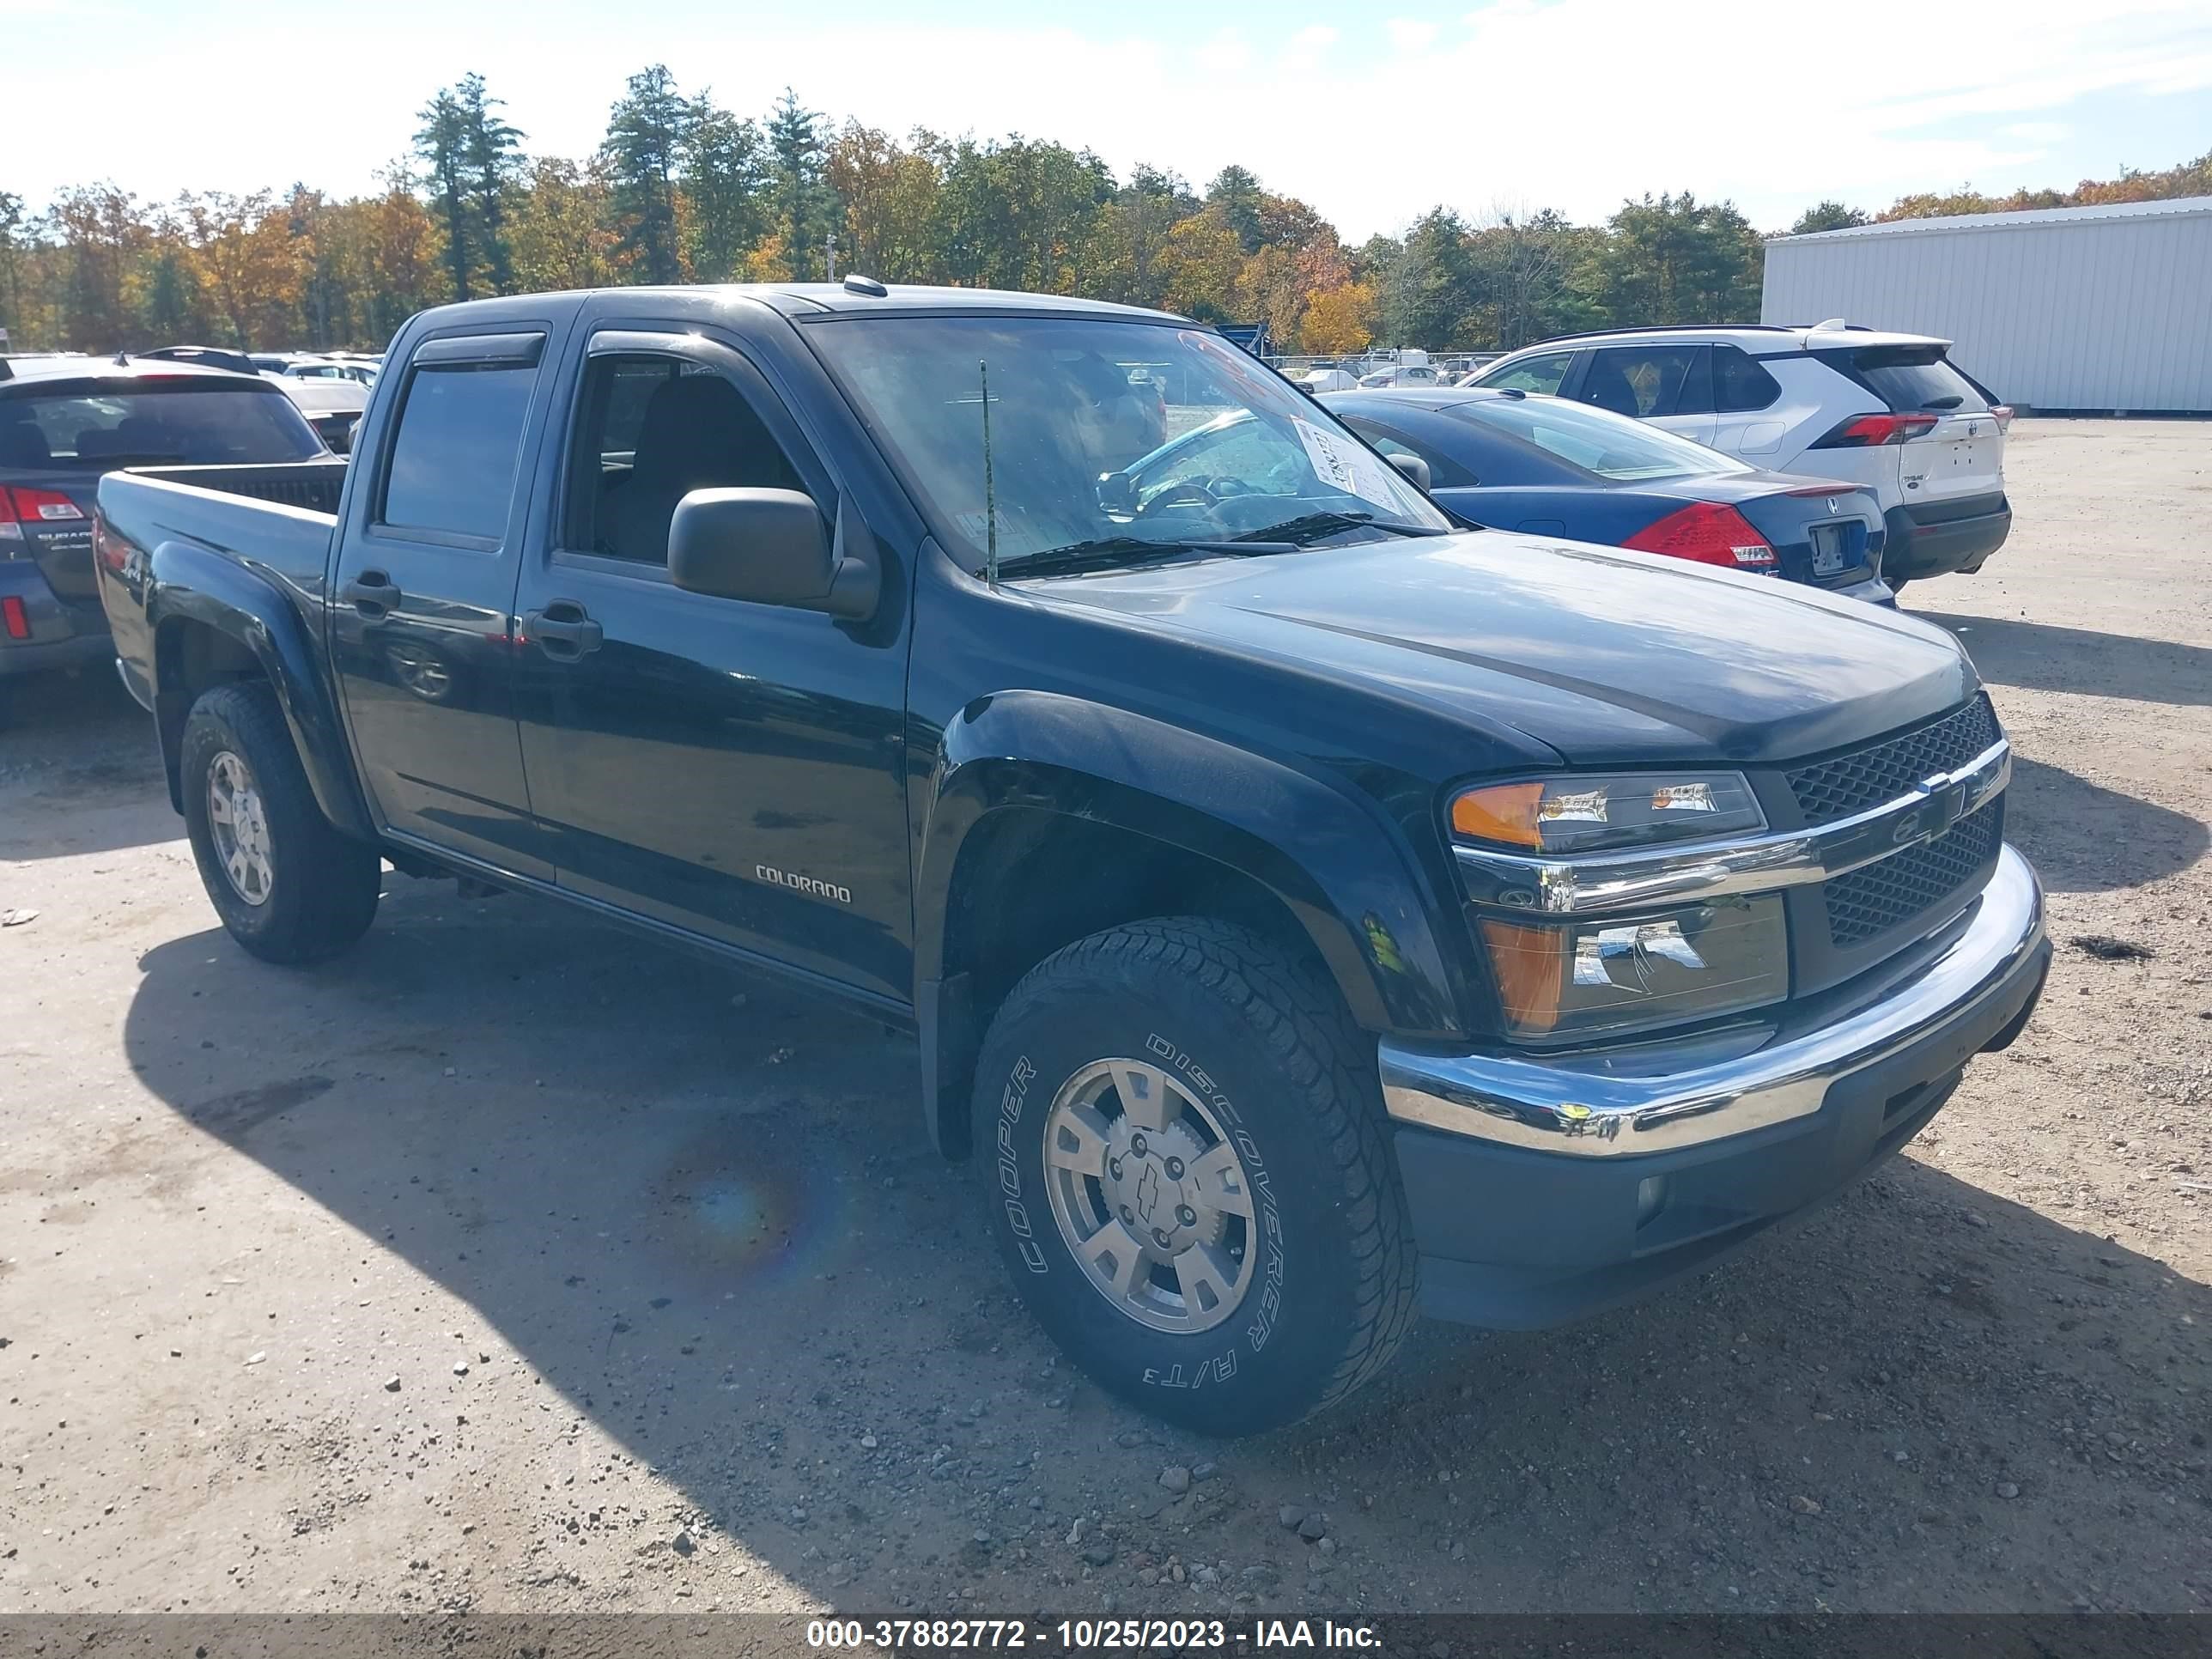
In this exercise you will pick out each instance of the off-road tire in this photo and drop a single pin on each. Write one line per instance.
(323, 894)
(1262, 1033)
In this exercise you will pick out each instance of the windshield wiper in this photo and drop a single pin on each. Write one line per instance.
(1951, 402)
(1303, 531)
(1123, 552)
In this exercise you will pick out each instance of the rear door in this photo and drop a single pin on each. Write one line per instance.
(1748, 422)
(422, 632)
(1669, 385)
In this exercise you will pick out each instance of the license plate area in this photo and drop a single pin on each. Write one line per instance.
(1835, 548)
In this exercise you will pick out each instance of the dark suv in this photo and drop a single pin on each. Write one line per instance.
(65, 420)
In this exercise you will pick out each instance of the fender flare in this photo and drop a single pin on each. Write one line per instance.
(1332, 859)
(194, 583)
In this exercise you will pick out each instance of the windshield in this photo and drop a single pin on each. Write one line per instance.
(1208, 446)
(206, 422)
(1611, 446)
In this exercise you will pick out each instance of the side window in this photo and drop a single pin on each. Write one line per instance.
(1639, 380)
(1739, 384)
(651, 428)
(459, 437)
(1243, 449)
(1443, 472)
(1539, 375)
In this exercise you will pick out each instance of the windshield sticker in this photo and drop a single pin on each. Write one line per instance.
(1344, 465)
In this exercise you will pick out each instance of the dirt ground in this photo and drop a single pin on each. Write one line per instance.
(512, 1264)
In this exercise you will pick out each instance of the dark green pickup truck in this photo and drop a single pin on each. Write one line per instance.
(1306, 905)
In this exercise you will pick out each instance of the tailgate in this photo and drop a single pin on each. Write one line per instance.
(1962, 453)
(48, 518)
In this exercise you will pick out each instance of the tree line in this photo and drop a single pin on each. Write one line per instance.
(682, 189)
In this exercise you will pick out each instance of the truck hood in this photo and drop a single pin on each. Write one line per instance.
(1602, 654)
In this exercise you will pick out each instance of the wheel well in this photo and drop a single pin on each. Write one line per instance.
(190, 659)
(1029, 882)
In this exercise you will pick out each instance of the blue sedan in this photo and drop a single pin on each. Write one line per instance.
(1516, 462)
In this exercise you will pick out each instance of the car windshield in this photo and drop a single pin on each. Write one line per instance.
(1611, 446)
(1210, 448)
(204, 423)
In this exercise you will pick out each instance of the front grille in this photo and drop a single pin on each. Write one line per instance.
(1870, 902)
(1832, 789)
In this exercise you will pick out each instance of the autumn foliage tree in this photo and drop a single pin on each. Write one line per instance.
(684, 188)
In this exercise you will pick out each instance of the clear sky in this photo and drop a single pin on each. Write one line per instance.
(1369, 112)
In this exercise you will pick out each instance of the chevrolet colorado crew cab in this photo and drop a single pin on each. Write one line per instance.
(1307, 908)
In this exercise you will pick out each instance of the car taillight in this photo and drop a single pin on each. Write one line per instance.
(9, 530)
(1708, 532)
(16, 619)
(44, 506)
(1868, 431)
(2001, 414)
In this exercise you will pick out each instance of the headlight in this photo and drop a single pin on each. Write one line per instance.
(1595, 811)
(1605, 976)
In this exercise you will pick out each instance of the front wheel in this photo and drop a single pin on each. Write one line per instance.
(288, 885)
(1189, 1173)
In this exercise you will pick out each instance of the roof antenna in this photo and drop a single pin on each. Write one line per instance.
(990, 497)
(123, 359)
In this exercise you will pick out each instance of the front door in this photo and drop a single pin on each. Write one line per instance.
(419, 629)
(734, 770)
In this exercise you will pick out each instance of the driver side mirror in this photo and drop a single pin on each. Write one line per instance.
(767, 546)
(1413, 467)
(1117, 494)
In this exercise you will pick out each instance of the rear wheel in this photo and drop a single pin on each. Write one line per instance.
(288, 885)
(1189, 1176)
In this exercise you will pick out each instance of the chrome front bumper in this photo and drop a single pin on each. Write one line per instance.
(1662, 1096)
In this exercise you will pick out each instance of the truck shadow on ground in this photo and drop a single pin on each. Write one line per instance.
(713, 1229)
(2084, 838)
(2042, 656)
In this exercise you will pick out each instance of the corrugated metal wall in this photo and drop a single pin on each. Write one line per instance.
(2099, 313)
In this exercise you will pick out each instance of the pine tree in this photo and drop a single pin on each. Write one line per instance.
(491, 160)
(724, 173)
(442, 144)
(804, 208)
(643, 148)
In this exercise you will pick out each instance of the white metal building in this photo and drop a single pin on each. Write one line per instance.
(2093, 308)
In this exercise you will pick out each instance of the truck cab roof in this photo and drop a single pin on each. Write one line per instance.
(801, 300)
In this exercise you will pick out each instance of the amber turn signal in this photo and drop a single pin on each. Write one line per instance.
(1530, 963)
(1505, 812)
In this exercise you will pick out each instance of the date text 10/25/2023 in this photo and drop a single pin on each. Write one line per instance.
(1088, 1635)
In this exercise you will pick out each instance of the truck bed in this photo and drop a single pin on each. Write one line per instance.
(314, 485)
(174, 535)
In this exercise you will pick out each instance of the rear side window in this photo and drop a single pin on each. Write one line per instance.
(1740, 385)
(1910, 378)
(1538, 374)
(1640, 380)
(459, 437)
(193, 422)
(1598, 442)
(1444, 473)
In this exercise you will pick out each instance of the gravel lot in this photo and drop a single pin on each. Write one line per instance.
(512, 1264)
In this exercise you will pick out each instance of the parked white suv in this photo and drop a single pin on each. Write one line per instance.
(1889, 411)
